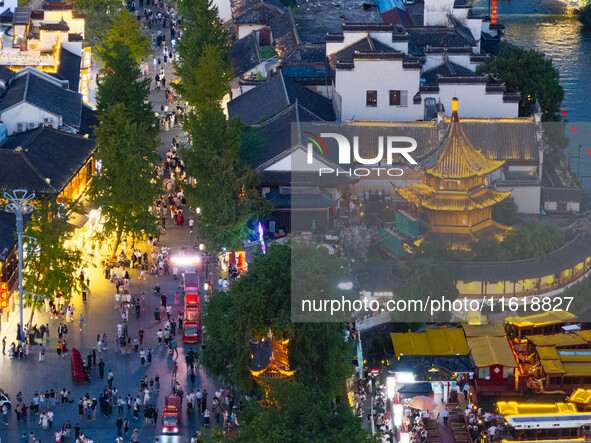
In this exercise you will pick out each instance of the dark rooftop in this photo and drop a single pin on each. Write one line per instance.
(346, 56)
(275, 95)
(278, 135)
(561, 195)
(245, 54)
(69, 68)
(50, 154)
(446, 69)
(420, 38)
(21, 16)
(307, 53)
(33, 87)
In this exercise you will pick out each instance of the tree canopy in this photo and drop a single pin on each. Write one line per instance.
(98, 16)
(303, 415)
(529, 72)
(533, 240)
(126, 185)
(50, 267)
(123, 31)
(505, 212)
(201, 27)
(261, 300)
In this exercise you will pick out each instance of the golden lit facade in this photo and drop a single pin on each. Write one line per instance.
(270, 362)
(454, 194)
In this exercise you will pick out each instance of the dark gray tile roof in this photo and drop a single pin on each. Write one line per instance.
(285, 35)
(17, 172)
(421, 37)
(21, 16)
(89, 119)
(277, 132)
(261, 352)
(245, 54)
(574, 252)
(307, 53)
(240, 7)
(446, 69)
(55, 155)
(69, 68)
(259, 13)
(260, 102)
(300, 197)
(274, 95)
(43, 93)
(562, 195)
(5, 73)
(345, 57)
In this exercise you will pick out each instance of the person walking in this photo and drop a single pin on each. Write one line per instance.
(84, 295)
(110, 378)
(101, 368)
(41, 353)
(119, 424)
(4, 345)
(143, 357)
(81, 321)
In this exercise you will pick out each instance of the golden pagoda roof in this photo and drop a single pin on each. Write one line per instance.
(422, 195)
(454, 157)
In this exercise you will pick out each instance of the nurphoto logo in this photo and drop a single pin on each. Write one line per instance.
(394, 145)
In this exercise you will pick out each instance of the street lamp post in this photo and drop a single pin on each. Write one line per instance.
(19, 205)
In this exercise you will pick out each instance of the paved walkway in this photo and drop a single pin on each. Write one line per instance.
(28, 376)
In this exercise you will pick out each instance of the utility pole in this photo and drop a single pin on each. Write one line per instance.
(19, 205)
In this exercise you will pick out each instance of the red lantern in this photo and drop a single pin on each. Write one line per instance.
(563, 112)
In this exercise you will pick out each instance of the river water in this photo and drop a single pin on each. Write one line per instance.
(541, 25)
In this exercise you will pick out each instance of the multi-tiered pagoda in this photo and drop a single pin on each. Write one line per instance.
(454, 195)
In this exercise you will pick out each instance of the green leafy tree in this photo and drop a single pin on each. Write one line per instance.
(50, 267)
(225, 187)
(532, 74)
(584, 16)
(98, 17)
(428, 278)
(127, 184)
(121, 83)
(505, 212)
(123, 31)
(489, 250)
(212, 79)
(533, 240)
(303, 415)
(262, 300)
(201, 26)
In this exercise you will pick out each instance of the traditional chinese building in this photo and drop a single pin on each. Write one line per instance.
(269, 361)
(454, 195)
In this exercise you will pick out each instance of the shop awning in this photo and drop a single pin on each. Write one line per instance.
(581, 396)
(493, 330)
(488, 350)
(548, 353)
(542, 319)
(509, 408)
(444, 341)
(553, 367)
(77, 220)
(558, 340)
(577, 369)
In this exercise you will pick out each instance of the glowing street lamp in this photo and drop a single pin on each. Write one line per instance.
(19, 205)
